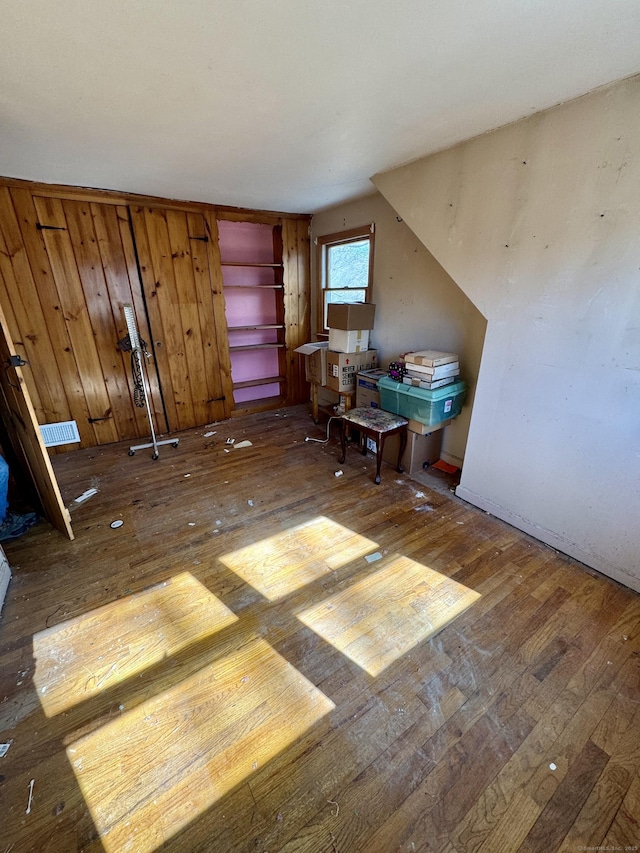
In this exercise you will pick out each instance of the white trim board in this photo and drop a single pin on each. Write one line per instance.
(594, 561)
(5, 576)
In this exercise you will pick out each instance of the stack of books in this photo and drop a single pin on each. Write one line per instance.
(431, 369)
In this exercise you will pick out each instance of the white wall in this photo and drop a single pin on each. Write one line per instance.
(418, 305)
(539, 223)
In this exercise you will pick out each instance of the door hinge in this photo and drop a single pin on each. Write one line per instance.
(217, 399)
(49, 227)
(95, 420)
(17, 361)
(204, 239)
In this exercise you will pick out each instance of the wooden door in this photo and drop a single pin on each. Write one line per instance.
(22, 428)
(187, 327)
(89, 247)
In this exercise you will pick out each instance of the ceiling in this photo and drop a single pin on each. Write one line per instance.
(283, 104)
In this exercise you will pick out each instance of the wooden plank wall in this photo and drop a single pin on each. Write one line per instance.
(297, 309)
(174, 264)
(21, 428)
(71, 258)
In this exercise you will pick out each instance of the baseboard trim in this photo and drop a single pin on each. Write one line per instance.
(451, 459)
(593, 561)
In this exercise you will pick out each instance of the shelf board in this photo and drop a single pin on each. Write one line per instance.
(253, 286)
(256, 327)
(261, 404)
(253, 383)
(248, 264)
(256, 346)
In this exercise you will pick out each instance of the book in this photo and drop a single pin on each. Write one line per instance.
(428, 386)
(432, 373)
(430, 358)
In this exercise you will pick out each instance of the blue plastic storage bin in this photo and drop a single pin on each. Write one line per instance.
(418, 404)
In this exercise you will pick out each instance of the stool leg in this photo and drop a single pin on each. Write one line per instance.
(343, 440)
(314, 402)
(379, 449)
(403, 444)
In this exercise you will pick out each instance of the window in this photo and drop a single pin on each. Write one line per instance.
(345, 269)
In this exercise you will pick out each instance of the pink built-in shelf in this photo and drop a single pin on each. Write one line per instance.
(253, 290)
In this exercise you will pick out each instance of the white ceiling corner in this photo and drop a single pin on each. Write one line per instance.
(283, 104)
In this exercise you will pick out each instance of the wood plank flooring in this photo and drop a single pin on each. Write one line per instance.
(229, 670)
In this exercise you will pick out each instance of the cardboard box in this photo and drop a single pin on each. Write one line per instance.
(429, 386)
(424, 429)
(367, 393)
(315, 361)
(353, 341)
(430, 357)
(342, 368)
(420, 449)
(431, 374)
(352, 315)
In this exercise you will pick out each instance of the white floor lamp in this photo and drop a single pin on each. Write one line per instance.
(141, 385)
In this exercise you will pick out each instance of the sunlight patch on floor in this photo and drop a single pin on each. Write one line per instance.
(283, 563)
(152, 771)
(382, 616)
(93, 652)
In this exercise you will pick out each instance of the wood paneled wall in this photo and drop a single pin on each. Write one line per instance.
(297, 306)
(71, 258)
(174, 265)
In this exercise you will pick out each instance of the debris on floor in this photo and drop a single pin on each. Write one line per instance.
(339, 473)
(245, 443)
(210, 433)
(441, 465)
(372, 558)
(117, 523)
(333, 803)
(4, 748)
(85, 496)
(31, 784)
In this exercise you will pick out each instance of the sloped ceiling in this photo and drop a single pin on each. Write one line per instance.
(283, 104)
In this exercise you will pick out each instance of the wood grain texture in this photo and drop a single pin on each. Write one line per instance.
(66, 270)
(296, 260)
(219, 317)
(70, 260)
(99, 196)
(70, 321)
(21, 426)
(188, 707)
(69, 394)
(177, 284)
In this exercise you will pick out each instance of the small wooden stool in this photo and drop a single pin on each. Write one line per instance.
(376, 424)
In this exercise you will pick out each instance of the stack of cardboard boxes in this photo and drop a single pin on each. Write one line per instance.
(349, 329)
(431, 390)
(430, 369)
(430, 376)
(423, 442)
(334, 364)
(429, 395)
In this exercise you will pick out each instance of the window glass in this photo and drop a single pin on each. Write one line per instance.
(344, 269)
(348, 265)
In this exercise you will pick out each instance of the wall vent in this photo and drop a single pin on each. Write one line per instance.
(65, 432)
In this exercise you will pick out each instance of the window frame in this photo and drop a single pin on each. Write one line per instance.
(323, 244)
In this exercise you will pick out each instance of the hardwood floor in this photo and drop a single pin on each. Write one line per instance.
(229, 670)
